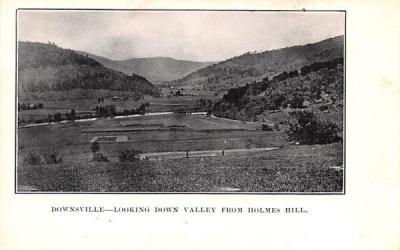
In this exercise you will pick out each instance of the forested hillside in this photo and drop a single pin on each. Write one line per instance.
(45, 67)
(255, 66)
(315, 84)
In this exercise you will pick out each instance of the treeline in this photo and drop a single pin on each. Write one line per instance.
(320, 65)
(110, 110)
(99, 111)
(317, 82)
(29, 106)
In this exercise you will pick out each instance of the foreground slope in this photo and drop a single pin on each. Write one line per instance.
(255, 66)
(45, 67)
(291, 169)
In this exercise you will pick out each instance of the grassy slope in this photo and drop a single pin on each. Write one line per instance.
(253, 103)
(251, 67)
(291, 169)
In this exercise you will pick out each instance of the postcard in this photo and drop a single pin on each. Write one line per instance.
(190, 126)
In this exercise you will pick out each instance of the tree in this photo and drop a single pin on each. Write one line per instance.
(128, 155)
(33, 159)
(100, 157)
(95, 147)
(142, 108)
(105, 111)
(57, 117)
(266, 127)
(306, 128)
(72, 115)
(52, 158)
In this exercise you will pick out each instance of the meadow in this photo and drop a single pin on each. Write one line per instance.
(84, 102)
(289, 168)
(72, 140)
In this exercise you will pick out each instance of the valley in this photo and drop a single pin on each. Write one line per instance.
(85, 124)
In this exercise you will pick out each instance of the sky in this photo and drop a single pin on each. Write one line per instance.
(185, 35)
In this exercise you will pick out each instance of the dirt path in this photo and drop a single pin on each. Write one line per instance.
(206, 153)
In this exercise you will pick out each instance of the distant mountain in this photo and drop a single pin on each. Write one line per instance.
(251, 67)
(155, 69)
(44, 67)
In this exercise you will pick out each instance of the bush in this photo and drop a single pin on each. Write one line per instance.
(306, 128)
(324, 108)
(129, 155)
(99, 157)
(95, 147)
(33, 159)
(265, 127)
(57, 117)
(52, 158)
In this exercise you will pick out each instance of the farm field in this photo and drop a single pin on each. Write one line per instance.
(286, 169)
(72, 139)
(85, 101)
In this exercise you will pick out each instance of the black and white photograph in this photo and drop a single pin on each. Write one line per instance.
(180, 101)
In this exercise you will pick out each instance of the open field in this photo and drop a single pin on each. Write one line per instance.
(85, 101)
(286, 169)
(201, 133)
(290, 169)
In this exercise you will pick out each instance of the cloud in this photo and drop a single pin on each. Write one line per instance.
(196, 35)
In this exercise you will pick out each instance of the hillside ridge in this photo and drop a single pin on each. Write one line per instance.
(156, 69)
(45, 67)
(250, 67)
(318, 84)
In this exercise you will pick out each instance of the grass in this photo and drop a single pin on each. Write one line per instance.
(86, 101)
(74, 146)
(290, 169)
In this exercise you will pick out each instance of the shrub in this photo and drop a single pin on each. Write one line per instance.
(52, 158)
(129, 155)
(100, 157)
(265, 127)
(57, 117)
(95, 147)
(33, 159)
(323, 108)
(306, 128)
